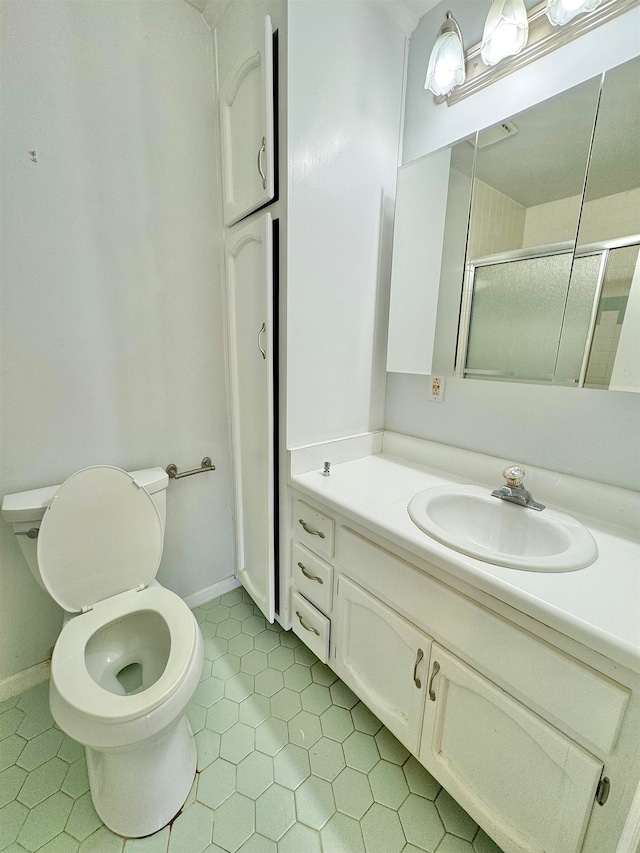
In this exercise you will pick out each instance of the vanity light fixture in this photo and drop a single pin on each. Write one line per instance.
(560, 12)
(505, 31)
(446, 63)
(505, 47)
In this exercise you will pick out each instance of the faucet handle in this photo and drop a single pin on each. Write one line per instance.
(514, 475)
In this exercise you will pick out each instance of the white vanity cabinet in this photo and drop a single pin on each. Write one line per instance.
(503, 763)
(526, 737)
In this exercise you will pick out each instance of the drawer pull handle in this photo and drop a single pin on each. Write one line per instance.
(416, 680)
(308, 574)
(434, 672)
(307, 627)
(310, 530)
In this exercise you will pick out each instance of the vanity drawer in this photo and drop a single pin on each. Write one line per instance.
(583, 703)
(313, 528)
(311, 626)
(312, 577)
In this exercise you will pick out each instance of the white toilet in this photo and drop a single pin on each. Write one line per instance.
(130, 653)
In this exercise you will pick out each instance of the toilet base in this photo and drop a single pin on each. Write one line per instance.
(138, 790)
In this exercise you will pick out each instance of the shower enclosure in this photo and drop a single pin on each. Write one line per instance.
(545, 315)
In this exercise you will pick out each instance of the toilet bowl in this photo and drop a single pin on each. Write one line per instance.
(130, 653)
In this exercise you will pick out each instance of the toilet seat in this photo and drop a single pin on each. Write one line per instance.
(76, 686)
(100, 536)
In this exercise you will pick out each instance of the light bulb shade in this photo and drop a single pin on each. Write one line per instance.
(446, 64)
(561, 12)
(505, 31)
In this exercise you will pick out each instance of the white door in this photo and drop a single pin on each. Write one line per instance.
(249, 257)
(384, 659)
(526, 783)
(246, 123)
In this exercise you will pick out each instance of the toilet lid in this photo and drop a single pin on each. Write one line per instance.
(100, 535)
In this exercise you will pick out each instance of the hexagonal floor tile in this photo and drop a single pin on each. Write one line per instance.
(254, 661)
(208, 692)
(336, 723)
(275, 812)
(216, 783)
(390, 748)
(218, 613)
(12, 818)
(291, 766)
(254, 709)
(364, 720)
(256, 843)
(237, 743)
(225, 666)
(215, 648)
(241, 611)
(483, 844)
(10, 749)
(361, 752)
(45, 821)
(341, 695)
(263, 640)
(452, 844)
(300, 839)
(342, 834)
(382, 830)
(285, 704)
(40, 749)
(323, 674)
(11, 780)
(271, 736)
(191, 830)
(315, 698)
(297, 677)
(352, 793)
(419, 780)
(421, 822)
(208, 747)
(83, 820)
(454, 817)
(269, 682)
(76, 782)
(281, 658)
(388, 784)
(42, 782)
(304, 729)
(327, 758)
(254, 775)
(241, 645)
(234, 822)
(222, 715)
(239, 687)
(314, 802)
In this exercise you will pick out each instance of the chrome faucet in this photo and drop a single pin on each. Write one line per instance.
(513, 491)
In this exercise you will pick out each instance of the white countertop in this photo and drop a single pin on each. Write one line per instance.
(598, 606)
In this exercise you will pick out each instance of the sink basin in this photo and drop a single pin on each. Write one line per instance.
(469, 520)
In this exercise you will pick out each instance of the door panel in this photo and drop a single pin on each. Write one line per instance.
(530, 785)
(249, 259)
(247, 126)
(384, 658)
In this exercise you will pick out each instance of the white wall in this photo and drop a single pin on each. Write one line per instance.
(345, 69)
(589, 433)
(112, 348)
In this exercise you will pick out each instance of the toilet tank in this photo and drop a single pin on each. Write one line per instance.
(25, 510)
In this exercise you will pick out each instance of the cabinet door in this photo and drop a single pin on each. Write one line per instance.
(526, 783)
(246, 125)
(249, 260)
(384, 659)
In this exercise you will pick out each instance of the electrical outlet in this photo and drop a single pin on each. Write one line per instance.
(437, 389)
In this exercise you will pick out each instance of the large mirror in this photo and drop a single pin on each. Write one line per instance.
(526, 238)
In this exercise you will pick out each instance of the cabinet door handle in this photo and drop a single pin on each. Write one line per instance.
(416, 680)
(262, 150)
(308, 574)
(434, 672)
(307, 627)
(263, 329)
(310, 530)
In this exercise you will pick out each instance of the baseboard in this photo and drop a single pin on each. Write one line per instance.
(215, 591)
(24, 680)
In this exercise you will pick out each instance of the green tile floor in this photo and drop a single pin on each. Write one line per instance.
(288, 760)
